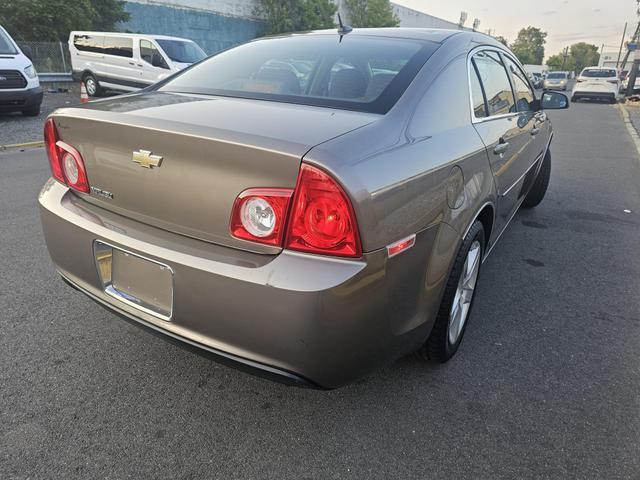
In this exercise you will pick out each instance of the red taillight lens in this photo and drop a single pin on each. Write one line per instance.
(65, 161)
(322, 219)
(50, 140)
(260, 214)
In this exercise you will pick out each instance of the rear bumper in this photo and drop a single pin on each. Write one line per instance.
(301, 318)
(14, 100)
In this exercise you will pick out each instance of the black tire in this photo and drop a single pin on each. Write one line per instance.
(574, 99)
(438, 347)
(32, 111)
(539, 188)
(93, 86)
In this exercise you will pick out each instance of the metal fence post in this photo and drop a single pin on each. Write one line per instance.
(64, 64)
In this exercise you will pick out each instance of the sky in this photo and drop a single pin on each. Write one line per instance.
(565, 21)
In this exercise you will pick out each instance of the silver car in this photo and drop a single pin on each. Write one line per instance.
(309, 206)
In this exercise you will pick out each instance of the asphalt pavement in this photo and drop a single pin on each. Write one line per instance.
(545, 385)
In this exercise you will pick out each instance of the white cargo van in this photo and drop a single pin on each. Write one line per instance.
(20, 89)
(128, 62)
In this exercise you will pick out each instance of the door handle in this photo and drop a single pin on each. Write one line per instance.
(535, 131)
(132, 63)
(501, 147)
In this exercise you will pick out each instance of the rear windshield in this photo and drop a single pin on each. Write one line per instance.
(557, 75)
(353, 72)
(599, 73)
(6, 45)
(180, 51)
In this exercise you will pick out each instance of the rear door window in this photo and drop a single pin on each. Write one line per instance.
(89, 43)
(496, 84)
(524, 93)
(118, 46)
(478, 101)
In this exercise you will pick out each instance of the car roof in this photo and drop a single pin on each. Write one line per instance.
(134, 35)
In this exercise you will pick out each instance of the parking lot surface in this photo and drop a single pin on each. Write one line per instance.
(546, 383)
(15, 128)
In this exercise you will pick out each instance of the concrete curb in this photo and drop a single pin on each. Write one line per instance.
(629, 125)
(39, 143)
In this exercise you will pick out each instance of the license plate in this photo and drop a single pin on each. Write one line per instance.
(135, 280)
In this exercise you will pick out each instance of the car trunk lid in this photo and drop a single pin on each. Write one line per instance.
(208, 150)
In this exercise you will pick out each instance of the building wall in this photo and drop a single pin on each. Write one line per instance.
(219, 24)
(213, 24)
(415, 19)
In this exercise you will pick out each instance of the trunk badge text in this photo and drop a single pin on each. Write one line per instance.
(146, 159)
(102, 193)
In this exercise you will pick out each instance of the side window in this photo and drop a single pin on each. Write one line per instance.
(150, 54)
(118, 46)
(88, 43)
(495, 81)
(477, 95)
(524, 93)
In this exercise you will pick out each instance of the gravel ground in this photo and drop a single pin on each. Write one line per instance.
(16, 128)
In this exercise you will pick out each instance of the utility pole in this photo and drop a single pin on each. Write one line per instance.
(636, 62)
(565, 55)
(624, 33)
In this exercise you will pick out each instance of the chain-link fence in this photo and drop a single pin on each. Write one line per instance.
(48, 57)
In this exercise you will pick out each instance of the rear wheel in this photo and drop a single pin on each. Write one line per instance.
(92, 85)
(455, 308)
(539, 188)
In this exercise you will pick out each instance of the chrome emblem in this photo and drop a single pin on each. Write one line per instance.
(102, 193)
(2, 79)
(146, 159)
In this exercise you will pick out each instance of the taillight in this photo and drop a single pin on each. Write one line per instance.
(322, 219)
(65, 161)
(260, 214)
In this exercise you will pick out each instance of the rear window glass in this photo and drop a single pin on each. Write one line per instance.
(557, 75)
(599, 73)
(354, 72)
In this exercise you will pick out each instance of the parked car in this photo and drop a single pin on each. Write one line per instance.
(556, 81)
(310, 234)
(597, 83)
(128, 62)
(20, 89)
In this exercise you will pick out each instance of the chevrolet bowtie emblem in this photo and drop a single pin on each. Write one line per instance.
(146, 159)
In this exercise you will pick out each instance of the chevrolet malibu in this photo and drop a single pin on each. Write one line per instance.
(308, 206)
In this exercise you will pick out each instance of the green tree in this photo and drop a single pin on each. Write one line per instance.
(52, 20)
(502, 40)
(529, 45)
(371, 13)
(584, 55)
(284, 16)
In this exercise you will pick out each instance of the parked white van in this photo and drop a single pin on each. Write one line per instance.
(128, 62)
(20, 89)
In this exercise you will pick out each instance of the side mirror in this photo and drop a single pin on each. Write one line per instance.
(554, 101)
(27, 51)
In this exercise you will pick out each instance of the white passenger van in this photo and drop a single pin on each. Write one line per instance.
(127, 61)
(20, 89)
